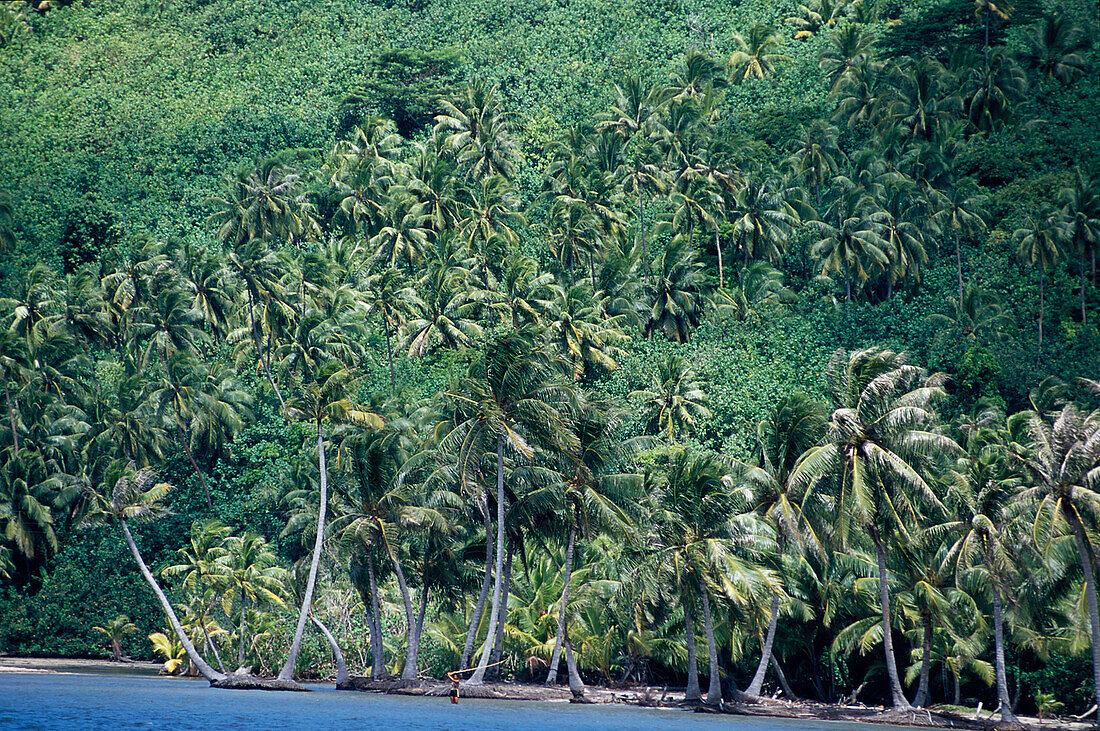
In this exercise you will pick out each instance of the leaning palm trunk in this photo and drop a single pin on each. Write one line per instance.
(691, 693)
(753, 691)
(782, 678)
(896, 693)
(714, 684)
(341, 666)
(479, 674)
(576, 685)
(567, 570)
(999, 641)
(921, 698)
(287, 673)
(479, 608)
(1090, 594)
(193, 655)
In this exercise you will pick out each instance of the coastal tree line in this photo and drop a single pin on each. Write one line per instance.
(857, 520)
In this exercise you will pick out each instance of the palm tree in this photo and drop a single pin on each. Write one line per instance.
(675, 401)
(920, 102)
(695, 73)
(991, 88)
(641, 176)
(403, 232)
(848, 47)
(980, 498)
(1055, 46)
(249, 570)
(1039, 247)
(388, 294)
(115, 631)
(988, 8)
(513, 396)
(862, 92)
(128, 495)
(796, 424)
(263, 203)
(477, 131)
(960, 214)
(880, 436)
(678, 298)
(760, 287)
(815, 154)
(756, 55)
(203, 277)
(818, 14)
(201, 571)
(580, 326)
(1081, 217)
(259, 269)
(443, 312)
(594, 499)
(762, 219)
(168, 326)
(854, 245)
(979, 313)
(1062, 465)
(324, 399)
(702, 538)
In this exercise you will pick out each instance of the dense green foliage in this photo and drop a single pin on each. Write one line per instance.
(597, 265)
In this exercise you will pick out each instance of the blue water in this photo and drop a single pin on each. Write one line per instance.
(82, 701)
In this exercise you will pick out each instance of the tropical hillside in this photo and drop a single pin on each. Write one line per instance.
(745, 347)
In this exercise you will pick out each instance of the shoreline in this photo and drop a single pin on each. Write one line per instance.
(61, 665)
(656, 697)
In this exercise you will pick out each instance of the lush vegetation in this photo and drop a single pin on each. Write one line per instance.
(760, 334)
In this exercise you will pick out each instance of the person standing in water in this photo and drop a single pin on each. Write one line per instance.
(454, 686)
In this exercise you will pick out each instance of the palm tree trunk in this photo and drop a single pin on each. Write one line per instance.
(409, 672)
(341, 666)
(576, 685)
(479, 608)
(1090, 594)
(389, 354)
(753, 691)
(691, 693)
(1042, 306)
(921, 699)
(896, 692)
(287, 673)
(714, 682)
(240, 632)
(999, 642)
(718, 248)
(194, 465)
(782, 678)
(567, 570)
(11, 415)
(377, 649)
(1083, 315)
(479, 674)
(493, 672)
(641, 223)
(959, 267)
(196, 659)
(210, 643)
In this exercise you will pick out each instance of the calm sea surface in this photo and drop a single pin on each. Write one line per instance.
(85, 701)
